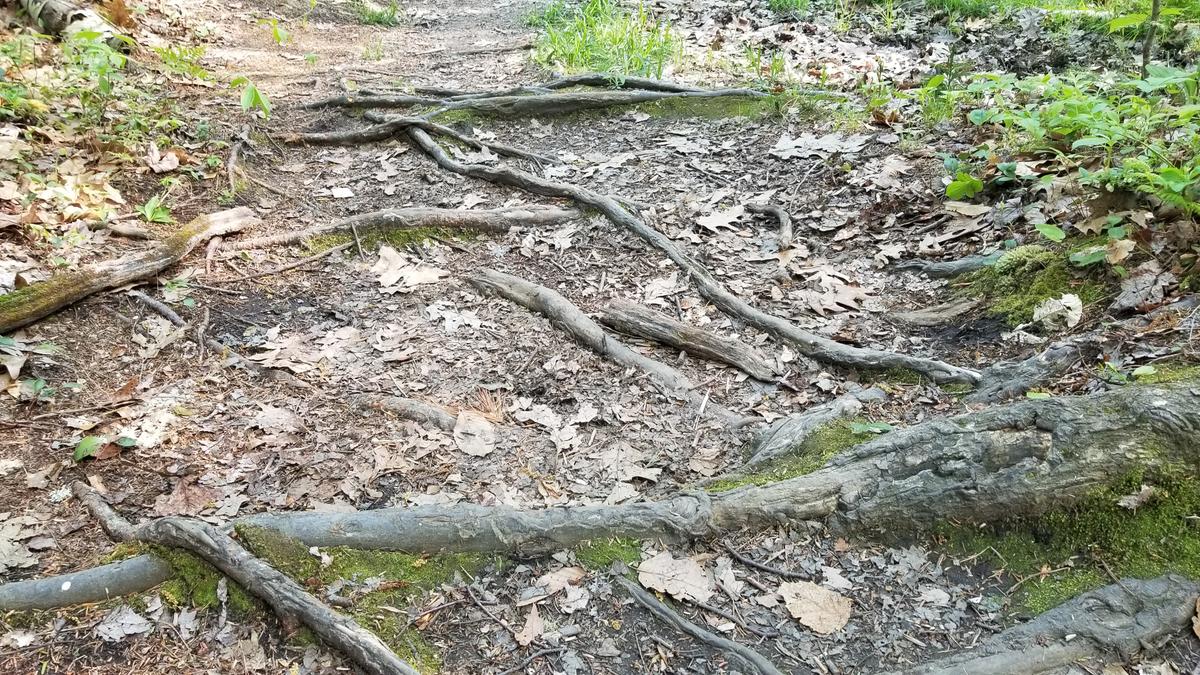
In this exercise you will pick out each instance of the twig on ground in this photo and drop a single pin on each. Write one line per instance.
(751, 562)
(169, 314)
(530, 659)
(747, 658)
(290, 266)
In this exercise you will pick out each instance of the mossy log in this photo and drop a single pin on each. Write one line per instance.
(37, 301)
(420, 218)
(634, 319)
(1116, 621)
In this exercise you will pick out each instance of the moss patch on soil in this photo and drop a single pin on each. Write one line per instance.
(812, 454)
(1065, 552)
(599, 554)
(1171, 371)
(195, 583)
(1027, 276)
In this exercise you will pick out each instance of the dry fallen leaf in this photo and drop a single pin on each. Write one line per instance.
(559, 579)
(534, 627)
(682, 578)
(823, 611)
(187, 499)
(1196, 619)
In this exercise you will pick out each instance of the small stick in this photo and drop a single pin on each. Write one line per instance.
(291, 266)
(746, 657)
(214, 245)
(730, 617)
(177, 321)
(751, 562)
(529, 659)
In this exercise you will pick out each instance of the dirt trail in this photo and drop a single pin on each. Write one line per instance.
(397, 316)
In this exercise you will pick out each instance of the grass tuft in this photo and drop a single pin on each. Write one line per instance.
(601, 36)
(372, 14)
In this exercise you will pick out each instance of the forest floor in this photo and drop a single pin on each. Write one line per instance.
(864, 178)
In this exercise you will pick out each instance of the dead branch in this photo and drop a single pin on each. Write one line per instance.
(809, 344)
(634, 319)
(24, 306)
(286, 597)
(742, 655)
(565, 315)
(778, 213)
(1116, 621)
(493, 220)
(409, 409)
(97, 584)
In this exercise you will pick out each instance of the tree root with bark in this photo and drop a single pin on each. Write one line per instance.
(39, 300)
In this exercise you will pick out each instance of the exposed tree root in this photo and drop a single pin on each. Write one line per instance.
(552, 103)
(938, 314)
(747, 659)
(809, 344)
(564, 314)
(409, 409)
(386, 127)
(1020, 459)
(1008, 379)
(634, 319)
(42, 299)
(790, 432)
(1116, 621)
(290, 266)
(778, 213)
(493, 220)
(950, 268)
(286, 597)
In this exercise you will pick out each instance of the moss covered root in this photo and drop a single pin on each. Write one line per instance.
(1064, 553)
(812, 454)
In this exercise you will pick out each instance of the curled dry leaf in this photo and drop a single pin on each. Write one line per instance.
(823, 611)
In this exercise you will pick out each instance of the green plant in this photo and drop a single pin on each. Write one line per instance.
(1140, 134)
(311, 59)
(183, 60)
(372, 14)
(155, 210)
(252, 99)
(788, 6)
(887, 14)
(552, 13)
(278, 33)
(601, 36)
(90, 53)
(843, 14)
(373, 50)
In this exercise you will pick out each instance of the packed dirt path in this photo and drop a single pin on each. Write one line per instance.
(536, 419)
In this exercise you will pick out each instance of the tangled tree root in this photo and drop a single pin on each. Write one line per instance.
(562, 313)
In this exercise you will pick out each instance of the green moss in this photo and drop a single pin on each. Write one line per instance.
(600, 554)
(124, 551)
(812, 454)
(195, 583)
(1060, 553)
(718, 107)
(405, 577)
(1027, 276)
(1171, 371)
(286, 554)
(897, 376)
